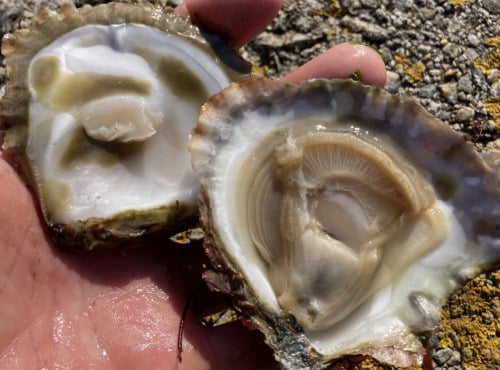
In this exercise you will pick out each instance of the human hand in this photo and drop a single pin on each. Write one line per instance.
(115, 309)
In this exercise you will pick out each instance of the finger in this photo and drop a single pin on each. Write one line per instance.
(237, 21)
(341, 61)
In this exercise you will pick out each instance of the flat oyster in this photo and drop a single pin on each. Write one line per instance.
(338, 217)
(97, 111)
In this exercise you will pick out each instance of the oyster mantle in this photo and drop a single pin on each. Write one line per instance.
(340, 217)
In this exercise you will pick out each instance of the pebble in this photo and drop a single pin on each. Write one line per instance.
(452, 49)
(495, 90)
(370, 4)
(449, 92)
(492, 6)
(494, 75)
(473, 40)
(268, 39)
(455, 359)
(470, 55)
(451, 74)
(465, 84)
(393, 82)
(369, 30)
(403, 5)
(479, 79)
(429, 91)
(443, 355)
(466, 354)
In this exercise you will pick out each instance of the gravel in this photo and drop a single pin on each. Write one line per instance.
(445, 54)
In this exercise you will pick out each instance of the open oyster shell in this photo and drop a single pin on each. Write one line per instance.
(339, 217)
(97, 112)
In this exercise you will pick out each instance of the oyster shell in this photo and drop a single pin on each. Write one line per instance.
(338, 217)
(97, 111)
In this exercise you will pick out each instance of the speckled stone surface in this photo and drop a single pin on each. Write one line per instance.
(444, 53)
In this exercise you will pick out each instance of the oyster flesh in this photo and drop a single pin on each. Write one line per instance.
(97, 111)
(339, 217)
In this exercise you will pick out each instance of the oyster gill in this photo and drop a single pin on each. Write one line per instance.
(339, 216)
(98, 108)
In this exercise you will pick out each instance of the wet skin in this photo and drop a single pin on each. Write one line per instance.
(121, 310)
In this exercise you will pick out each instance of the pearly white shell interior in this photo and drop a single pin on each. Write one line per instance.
(81, 177)
(228, 145)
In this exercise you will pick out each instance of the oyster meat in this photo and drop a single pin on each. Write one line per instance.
(338, 217)
(97, 112)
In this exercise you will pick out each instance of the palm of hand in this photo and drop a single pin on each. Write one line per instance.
(101, 310)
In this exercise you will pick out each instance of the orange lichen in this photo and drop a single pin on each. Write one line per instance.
(365, 363)
(413, 72)
(260, 71)
(458, 3)
(488, 66)
(471, 323)
(493, 107)
(492, 61)
(371, 364)
(335, 10)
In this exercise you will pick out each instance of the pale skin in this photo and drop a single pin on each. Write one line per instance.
(121, 310)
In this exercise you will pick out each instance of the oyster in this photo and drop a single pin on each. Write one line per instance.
(97, 111)
(339, 217)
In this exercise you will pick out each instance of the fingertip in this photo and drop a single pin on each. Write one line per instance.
(182, 10)
(371, 64)
(342, 61)
(237, 21)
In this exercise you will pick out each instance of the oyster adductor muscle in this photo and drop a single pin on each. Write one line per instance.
(97, 112)
(341, 217)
